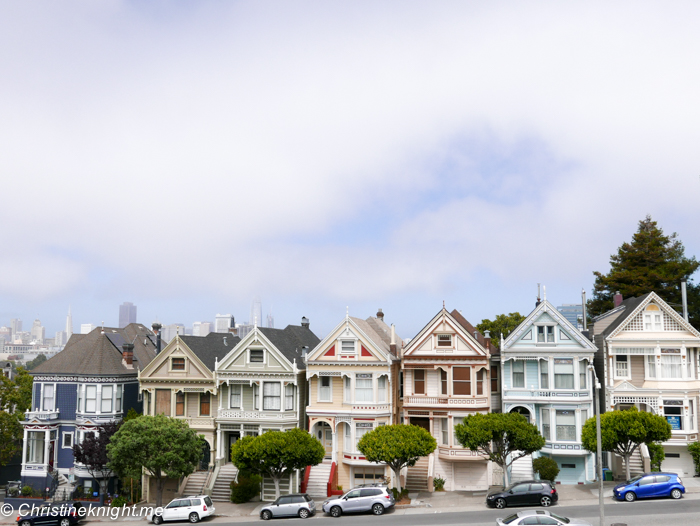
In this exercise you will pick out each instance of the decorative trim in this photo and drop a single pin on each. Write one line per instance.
(88, 379)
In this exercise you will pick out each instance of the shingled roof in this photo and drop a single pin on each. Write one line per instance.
(473, 331)
(99, 352)
(377, 331)
(291, 341)
(630, 304)
(212, 346)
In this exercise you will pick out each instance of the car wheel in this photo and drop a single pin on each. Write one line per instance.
(546, 501)
(194, 518)
(630, 497)
(676, 493)
(266, 515)
(377, 509)
(501, 503)
(64, 522)
(157, 519)
(25, 523)
(303, 513)
(336, 511)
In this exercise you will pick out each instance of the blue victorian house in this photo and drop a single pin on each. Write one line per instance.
(546, 379)
(94, 380)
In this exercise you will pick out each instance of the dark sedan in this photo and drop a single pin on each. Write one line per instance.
(64, 514)
(538, 492)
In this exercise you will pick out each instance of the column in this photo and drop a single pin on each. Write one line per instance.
(334, 447)
(218, 444)
(47, 444)
(24, 447)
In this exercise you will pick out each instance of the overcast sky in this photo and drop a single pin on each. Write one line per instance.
(189, 156)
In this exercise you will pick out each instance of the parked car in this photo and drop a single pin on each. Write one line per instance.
(193, 509)
(543, 517)
(56, 514)
(650, 485)
(374, 497)
(300, 505)
(538, 492)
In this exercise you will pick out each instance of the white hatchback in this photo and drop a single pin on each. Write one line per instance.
(193, 509)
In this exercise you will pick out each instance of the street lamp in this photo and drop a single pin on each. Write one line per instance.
(599, 448)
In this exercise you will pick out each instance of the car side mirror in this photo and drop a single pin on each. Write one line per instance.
(637, 484)
(510, 492)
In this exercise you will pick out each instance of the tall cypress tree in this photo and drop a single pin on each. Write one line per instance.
(653, 261)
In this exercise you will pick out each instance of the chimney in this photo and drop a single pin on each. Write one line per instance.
(537, 303)
(487, 339)
(583, 304)
(617, 298)
(233, 331)
(380, 315)
(128, 355)
(156, 328)
(305, 322)
(684, 300)
(392, 345)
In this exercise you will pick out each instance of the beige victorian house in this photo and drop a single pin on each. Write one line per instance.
(180, 383)
(353, 379)
(446, 377)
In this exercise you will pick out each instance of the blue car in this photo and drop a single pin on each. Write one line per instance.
(650, 485)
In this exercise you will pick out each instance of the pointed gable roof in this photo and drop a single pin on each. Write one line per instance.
(211, 347)
(462, 326)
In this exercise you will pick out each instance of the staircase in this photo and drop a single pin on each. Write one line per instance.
(521, 469)
(221, 492)
(417, 476)
(63, 490)
(636, 464)
(195, 483)
(317, 487)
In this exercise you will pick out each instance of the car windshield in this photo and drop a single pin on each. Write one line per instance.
(562, 519)
(633, 480)
(510, 519)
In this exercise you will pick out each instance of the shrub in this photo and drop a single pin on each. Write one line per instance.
(12, 492)
(656, 455)
(694, 449)
(546, 468)
(398, 495)
(27, 491)
(439, 483)
(245, 488)
(119, 502)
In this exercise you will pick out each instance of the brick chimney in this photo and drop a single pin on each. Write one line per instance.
(128, 355)
(487, 339)
(380, 315)
(156, 328)
(617, 298)
(392, 345)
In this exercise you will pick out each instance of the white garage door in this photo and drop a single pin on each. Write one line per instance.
(470, 476)
(679, 461)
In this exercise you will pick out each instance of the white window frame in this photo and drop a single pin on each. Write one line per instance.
(231, 394)
(320, 389)
(547, 331)
(660, 367)
(382, 390)
(513, 373)
(446, 338)
(109, 399)
(556, 425)
(344, 347)
(544, 368)
(63, 439)
(367, 426)
(546, 419)
(289, 397)
(650, 324)
(43, 397)
(257, 364)
(444, 431)
(271, 397)
(617, 370)
(88, 386)
(366, 392)
(650, 361)
(119, 398)
(347, 390)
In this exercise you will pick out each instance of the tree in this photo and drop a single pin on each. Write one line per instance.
(15, 400)
(651, 262)
(502, 437)
(397, 446)
(164, 447)
(622, 432)
(36, 362)
(92, 453)
(503, 324)
(656, 455)
(277, 453)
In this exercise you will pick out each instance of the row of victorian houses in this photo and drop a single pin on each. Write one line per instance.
(363, 375)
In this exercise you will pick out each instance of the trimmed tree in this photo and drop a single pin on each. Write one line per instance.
(92, 453)
(164, 447)
(622, 432)
(502, 324)
(396, 446)
(502, 437)
(277, 454)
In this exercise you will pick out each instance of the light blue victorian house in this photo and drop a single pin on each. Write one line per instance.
(546, 379)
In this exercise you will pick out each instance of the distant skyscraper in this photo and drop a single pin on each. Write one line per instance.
(127, 314)
(86, 328)
(168, 332)
(16, 326)
(270, 321)
(6, 334)
(223, 323)
(38, 332)
(572, 312)
(69, 325)
(201, 328)
(256, 313)
(60, 339)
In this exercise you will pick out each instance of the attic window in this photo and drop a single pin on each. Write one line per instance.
(257, 356)
(347, 347)
(444, 340)
(178, 364)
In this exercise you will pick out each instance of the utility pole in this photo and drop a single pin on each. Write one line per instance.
(599, 448)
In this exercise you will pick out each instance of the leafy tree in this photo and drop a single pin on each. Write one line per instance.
(164, 447)
(277, 453)
(92, 452)
(15, 400)
(694, 450)
(623, 432)
(503, 324)
(502, 437)
(131, 415)
(397, 446)
(653, 261)
(36, 362)
(656, 455)
(547, 468)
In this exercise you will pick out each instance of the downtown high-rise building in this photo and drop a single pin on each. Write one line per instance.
(69, 325)
(223, 323)
(201, 328)
(16, 326)
(38, 332)
(256, 313)
(127, 314)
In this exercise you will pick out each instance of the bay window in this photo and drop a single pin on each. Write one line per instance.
(651, 366)
(289, 397)
(546, 424)
(563, 373)
(443, 381)
(47, 403)
(360, 429)
(583, 373)
(462, 381)
(35, 447)
(419, 381)
(566, 425)
(90, 398)
(670, 365)
(444, 432)
(480, 381)
(272, 392)
(106, 399)
(518, 373)
(347, 442)
(324, 390)
(256, 396)
(347, 390)
(364, 391)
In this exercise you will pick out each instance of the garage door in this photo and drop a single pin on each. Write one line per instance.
(470, 476)
(572, 470)
(678, 460)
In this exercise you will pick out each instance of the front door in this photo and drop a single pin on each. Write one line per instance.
(421, 422)
(325, 436)
(232, 438)
(52, 450)
(206, 453)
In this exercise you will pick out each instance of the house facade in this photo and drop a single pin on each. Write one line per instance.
(94, 380)
(262, 386)
(353, 377)
(180, 383)
(546, 379)
(652, 362)
(446, 377)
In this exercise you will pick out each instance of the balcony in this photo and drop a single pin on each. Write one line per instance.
(458, 453)
(201, 421)
(546, 394)
(42, 415)
(444, 401)
(238, 414)
(366, 406)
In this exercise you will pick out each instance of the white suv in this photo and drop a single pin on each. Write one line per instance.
(192, 508)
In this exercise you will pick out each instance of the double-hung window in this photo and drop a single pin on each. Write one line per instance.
(204, 404)
(518, 373)
(653, 321)
(419, 381)
(651, 366)
(347, 347)
(106, 400)
(272, 391)
(364, 391)
(673, 411)
(35, 447)
(494, 378)
(179, 403)
(671, 367)
(566, 425)
(120, 390)
(544, 374)
(621, 366)
(563, 373)
(381, 389)
(462, 381)
(545, 424)
(90, 398)
(583, 373)
(443, 381)
(444, 431)
(289, 397)
(360, 429)
(257, 356)
(444, 340)
(256, 396)
(324, 390)
(235, 396)
(480, 381)
(48, 402)
(347, 390)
